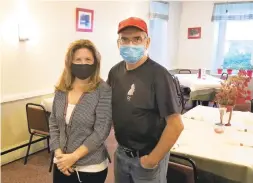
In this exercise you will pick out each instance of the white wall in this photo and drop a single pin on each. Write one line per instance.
(173, 33)
(33, 67)
(0, 62)
(196, 53)
(1, 47)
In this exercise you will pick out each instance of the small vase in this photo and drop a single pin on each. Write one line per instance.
(223, 109)
(249, 73)
(220, 71)
(229, 71)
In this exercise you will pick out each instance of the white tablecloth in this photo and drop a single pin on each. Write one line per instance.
(195, 84)
(220, 154)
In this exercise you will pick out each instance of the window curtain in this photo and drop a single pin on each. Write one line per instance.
(158, 31)
(159, 10)
(233, 11)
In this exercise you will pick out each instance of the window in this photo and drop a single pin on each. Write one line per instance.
(235, 36)
(236, 44)
(158, 31)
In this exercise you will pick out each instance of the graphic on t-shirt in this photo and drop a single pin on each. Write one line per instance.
(131, 92)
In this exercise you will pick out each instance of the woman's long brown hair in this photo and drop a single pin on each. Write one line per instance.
(67, 79)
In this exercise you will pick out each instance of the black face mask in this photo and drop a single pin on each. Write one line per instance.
(83, 71)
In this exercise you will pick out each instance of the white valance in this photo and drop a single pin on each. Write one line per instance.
(233, 11)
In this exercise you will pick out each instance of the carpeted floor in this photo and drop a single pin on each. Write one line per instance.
(36, 169)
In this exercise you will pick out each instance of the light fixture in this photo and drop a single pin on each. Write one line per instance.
(23, 20)
(23, 32)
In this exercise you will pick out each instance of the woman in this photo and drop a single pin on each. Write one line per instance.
(81, 120)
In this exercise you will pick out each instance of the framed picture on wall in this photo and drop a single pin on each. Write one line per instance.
(194, 33)
(84, 20)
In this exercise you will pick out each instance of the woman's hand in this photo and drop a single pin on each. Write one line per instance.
(65, 162)
(58, 152)
(68, 172)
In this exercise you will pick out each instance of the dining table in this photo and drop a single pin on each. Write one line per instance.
(202, 89)
(229, 154)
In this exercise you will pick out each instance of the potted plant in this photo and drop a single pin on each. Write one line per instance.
(226, 99)
(241, 81)
(233, 91)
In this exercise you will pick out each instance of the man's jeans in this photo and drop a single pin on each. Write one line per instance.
(129, 170)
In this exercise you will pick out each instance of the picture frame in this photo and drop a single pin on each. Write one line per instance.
(84, 20)
(194, 33)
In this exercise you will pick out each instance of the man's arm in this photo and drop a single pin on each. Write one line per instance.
(169, 137)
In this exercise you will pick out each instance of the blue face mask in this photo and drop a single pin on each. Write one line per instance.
(132, 54)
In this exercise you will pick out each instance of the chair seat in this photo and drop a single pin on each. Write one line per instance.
(40, 132)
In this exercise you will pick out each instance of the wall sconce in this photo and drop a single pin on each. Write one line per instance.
(23, 32)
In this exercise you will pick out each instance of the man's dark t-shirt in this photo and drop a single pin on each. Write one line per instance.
(141, 100)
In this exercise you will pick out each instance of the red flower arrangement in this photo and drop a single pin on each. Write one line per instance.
(234, 90)
(227, 94)
(242, 82)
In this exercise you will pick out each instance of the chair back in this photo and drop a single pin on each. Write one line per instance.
(224, 76)
(178, 172)
(37, 119)
(246, 107)
(179, 91)
(252, 105)
(184, 71)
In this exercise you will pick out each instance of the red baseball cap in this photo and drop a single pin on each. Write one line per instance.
(133, 22)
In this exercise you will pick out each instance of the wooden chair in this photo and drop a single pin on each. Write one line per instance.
(247, 107)
(181, 93)
(252, 105)
(184, 71)
(224, 76)
(181, 173)
(38, 125)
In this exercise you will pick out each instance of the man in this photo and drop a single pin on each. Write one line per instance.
(146, 115)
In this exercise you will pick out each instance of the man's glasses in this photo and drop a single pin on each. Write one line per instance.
(136, 40)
